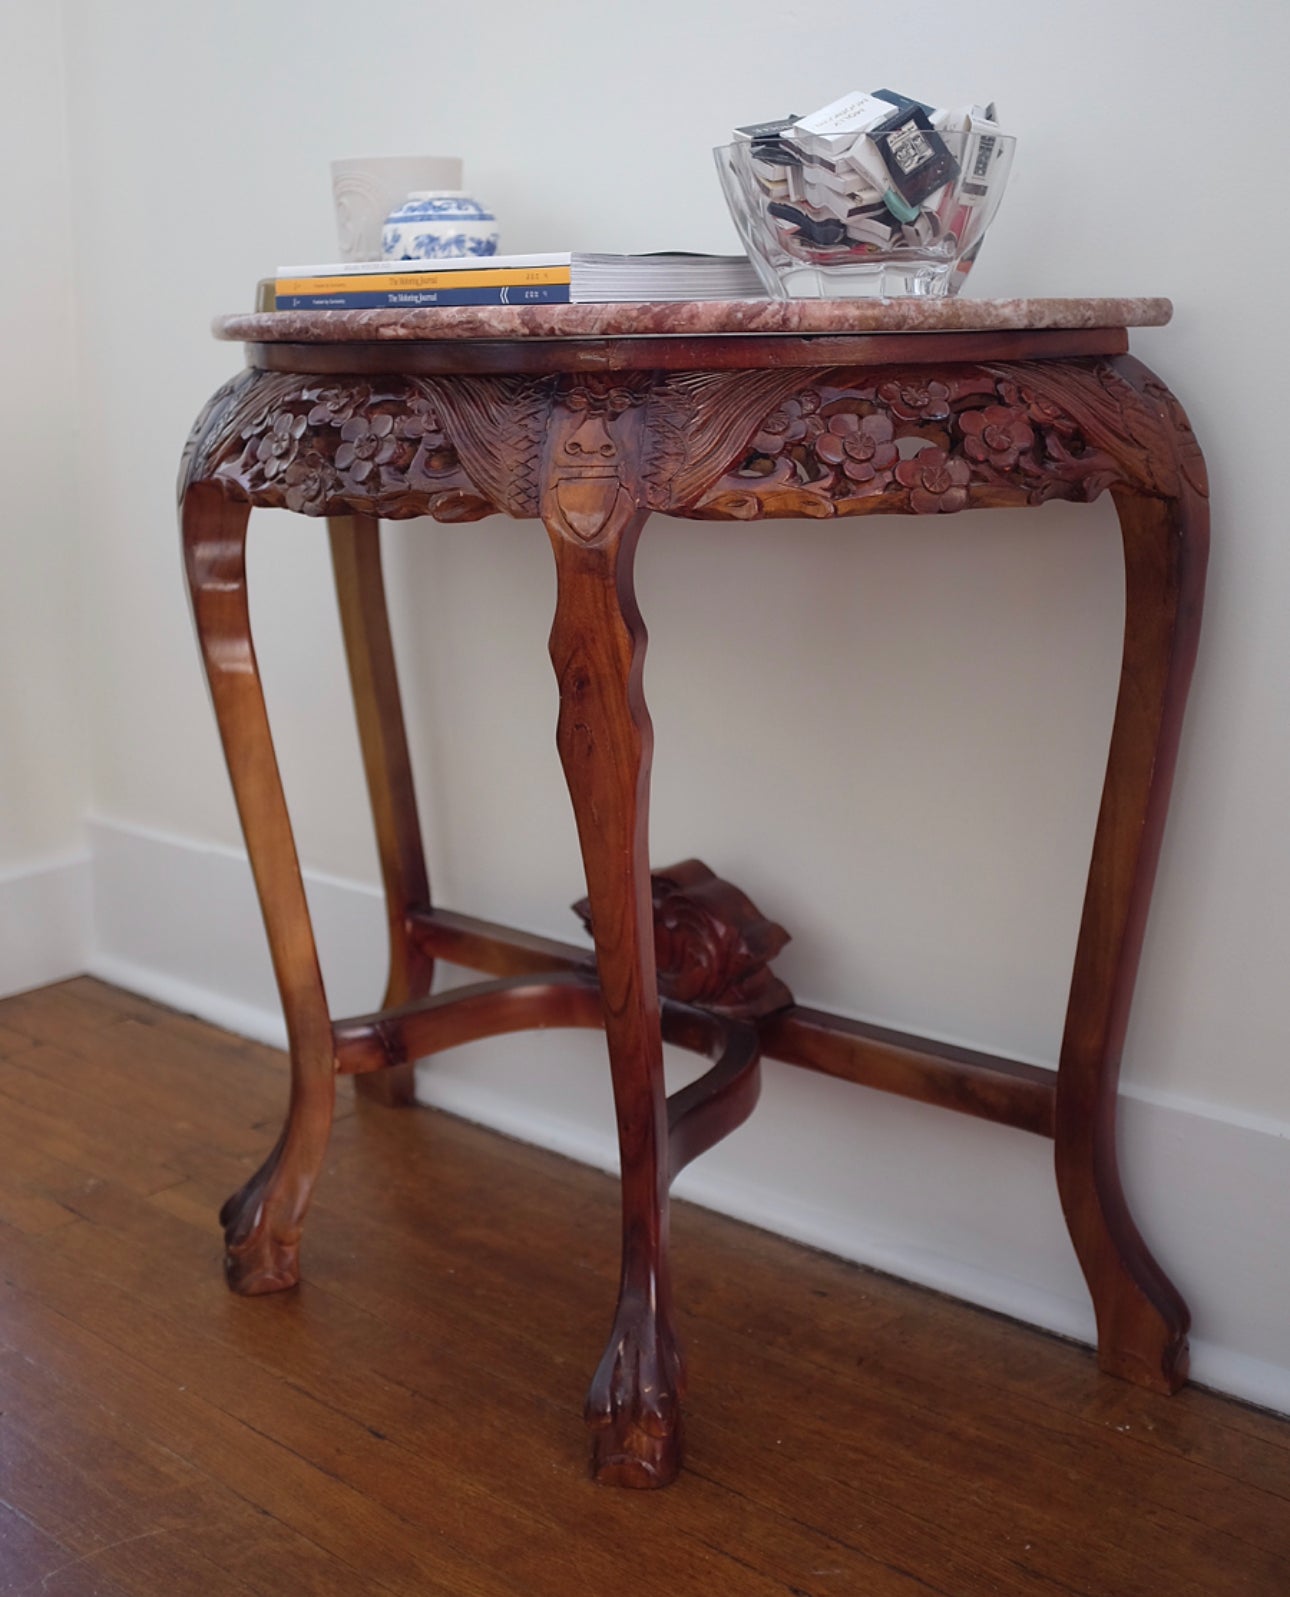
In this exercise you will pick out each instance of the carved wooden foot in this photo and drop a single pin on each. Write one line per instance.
(1142, 1319)
(260, 1253)
(633, 1407)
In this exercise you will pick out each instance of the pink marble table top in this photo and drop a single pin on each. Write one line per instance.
(690, 318)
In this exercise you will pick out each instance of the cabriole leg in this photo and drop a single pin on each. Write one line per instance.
(605, 741)
(1141, 1318)
(369, 652)
(262, 1221)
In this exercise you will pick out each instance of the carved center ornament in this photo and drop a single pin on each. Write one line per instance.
(731, 445)
(712, 945)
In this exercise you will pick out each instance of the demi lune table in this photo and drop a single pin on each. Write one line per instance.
(590, 418)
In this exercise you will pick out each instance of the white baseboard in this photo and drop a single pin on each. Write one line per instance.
(178, 921)
(949, 1202)
(44, 923)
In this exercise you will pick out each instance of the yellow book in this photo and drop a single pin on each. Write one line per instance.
(396, 282)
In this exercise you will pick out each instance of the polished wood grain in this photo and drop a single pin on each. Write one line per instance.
(950, 1076)
(369, 653)
(505, 356)
(1142, 1318)
(262, 1221)
(591, 436)
(605, 739)
(404, 1423)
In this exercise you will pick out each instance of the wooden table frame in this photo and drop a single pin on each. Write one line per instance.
(592, 435)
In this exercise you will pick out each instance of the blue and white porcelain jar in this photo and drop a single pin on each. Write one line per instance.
(438, 224)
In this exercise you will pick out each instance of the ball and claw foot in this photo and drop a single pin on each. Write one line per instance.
(633, 1408)
(259, 1255)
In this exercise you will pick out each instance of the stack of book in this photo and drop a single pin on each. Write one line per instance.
(555, 279)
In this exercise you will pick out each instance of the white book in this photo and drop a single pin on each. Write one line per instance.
(592, 277)
(463, 263)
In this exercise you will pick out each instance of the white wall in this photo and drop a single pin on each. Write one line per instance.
(43, 769)
(890, 733)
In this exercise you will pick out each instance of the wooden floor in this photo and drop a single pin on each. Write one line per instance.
(407, 1422)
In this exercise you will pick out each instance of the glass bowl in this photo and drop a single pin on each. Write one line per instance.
(818, 223)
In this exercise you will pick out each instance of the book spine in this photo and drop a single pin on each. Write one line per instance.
(454, 263)
(410, 299)
(375, 282)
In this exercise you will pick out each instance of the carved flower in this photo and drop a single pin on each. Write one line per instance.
(310, 482)
(795, 420)
(995, 434)
(419, 420)
(368, 443)
(936, 480)
(861, 445)
(913, 401)
(256, 423)
(1042, 412)
(333, 407)
(277, 448)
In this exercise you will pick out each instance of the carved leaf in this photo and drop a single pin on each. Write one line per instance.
(220, 419)
(1190, 460)
(701, 421)
(1097, 425)
(497, 426)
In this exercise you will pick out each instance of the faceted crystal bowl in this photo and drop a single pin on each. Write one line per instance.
(862, 242)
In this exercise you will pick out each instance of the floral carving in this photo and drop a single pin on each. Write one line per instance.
(419, 419)
(798, 419)
(930, 441)
(369, 443)
(935, 481)
(309, 482)
(861, 445)
(699, 422)
(218, 419)
(731, 444)
(999, 434)
(1038, 408)
(275, 448)
(337, 405)
(914, 400)
(328, 447)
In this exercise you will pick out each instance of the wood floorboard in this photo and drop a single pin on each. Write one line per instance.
(407, 1421)
(917, 1415)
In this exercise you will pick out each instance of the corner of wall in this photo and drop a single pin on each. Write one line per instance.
(45, 923)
